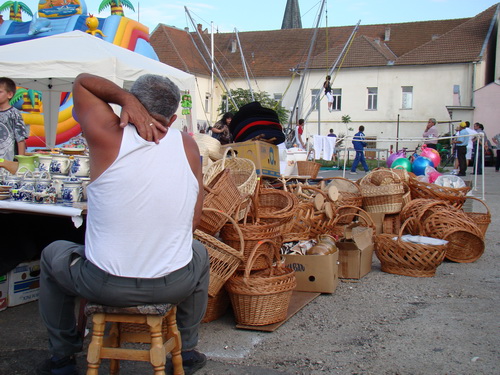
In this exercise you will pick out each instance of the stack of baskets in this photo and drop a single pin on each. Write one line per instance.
(261, 297)
(382, 191)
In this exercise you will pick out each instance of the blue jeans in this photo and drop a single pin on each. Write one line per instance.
(66, 274)
(360, 157)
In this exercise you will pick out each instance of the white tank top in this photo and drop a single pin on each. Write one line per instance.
(140, 210)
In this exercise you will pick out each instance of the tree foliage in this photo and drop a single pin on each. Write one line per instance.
(243, 96)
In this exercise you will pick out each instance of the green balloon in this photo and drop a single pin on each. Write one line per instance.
(403, 163)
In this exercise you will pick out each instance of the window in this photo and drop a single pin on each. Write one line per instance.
(225, 103)
(337, 99)
(315, 93)
(372, 98)
(407, 97)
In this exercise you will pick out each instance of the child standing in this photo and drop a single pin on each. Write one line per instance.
(13, 131)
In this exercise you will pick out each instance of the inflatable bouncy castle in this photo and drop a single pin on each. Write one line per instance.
(61, 16)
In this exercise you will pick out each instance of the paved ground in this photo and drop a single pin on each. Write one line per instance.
(382, 324)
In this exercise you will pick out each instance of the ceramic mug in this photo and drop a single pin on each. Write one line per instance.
(43, 182)
(60, 165)
(57, 183)
(13, 181)
(44, 161)
(71, 190)
(80, 166)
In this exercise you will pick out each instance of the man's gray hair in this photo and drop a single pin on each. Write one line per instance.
(159, 95)
(433, 120)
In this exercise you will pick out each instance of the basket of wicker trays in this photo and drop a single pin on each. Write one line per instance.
(382, 192)
(224, 258)
(482, 219)
(273, 205)
(262, 297)
(466, 243)
(402, 255)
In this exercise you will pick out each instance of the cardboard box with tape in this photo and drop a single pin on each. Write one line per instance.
(355, 252)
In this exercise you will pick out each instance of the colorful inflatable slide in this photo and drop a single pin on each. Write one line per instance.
(59, 16)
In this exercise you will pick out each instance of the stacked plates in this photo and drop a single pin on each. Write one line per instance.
(5, 191)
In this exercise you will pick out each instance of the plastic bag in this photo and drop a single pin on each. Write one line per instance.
(450, 181)
(431, 173)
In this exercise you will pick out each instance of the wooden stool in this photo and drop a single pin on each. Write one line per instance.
(154, 324)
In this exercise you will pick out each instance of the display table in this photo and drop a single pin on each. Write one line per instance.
(76, 211)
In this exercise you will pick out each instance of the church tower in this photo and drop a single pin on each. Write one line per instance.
(291, 19)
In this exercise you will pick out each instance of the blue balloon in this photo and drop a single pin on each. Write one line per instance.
(419, 165)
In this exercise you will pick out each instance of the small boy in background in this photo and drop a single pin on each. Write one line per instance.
(13, 132)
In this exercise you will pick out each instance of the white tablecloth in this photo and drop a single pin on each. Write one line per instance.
(48, 209)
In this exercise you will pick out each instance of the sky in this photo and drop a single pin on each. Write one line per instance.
(256, 15)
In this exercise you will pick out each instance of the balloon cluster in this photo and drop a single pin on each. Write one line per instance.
(428, 158)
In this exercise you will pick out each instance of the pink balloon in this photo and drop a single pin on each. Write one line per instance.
(433, 155)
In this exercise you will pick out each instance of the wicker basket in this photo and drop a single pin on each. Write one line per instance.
(224, 259)
(216, 306)
(406, 258)
(391, 224)
(420, 209)
(466, 244)
(308, 168)
(222, 195)
(454, 196)
(262, 297)
(382, 192)
(242, 170)
(273, 205)
(252, 234)
(482, 220)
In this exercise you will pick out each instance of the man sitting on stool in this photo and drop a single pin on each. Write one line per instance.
(144, 202)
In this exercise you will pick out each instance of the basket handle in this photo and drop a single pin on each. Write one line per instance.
(254, 255)
(381, 169)
(224, 156)
(400, 234)
(480, 200)
(235, 225)
(361, 213)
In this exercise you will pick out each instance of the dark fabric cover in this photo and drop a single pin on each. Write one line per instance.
(253, 120)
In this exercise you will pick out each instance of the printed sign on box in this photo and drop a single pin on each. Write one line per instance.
(24, 283)
(264, 155)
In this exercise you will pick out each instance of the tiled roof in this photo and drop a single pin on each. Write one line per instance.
(274, 53)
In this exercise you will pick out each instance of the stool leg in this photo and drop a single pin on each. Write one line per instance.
(173, 331)
(94, 351)
(114, 336)
(157, 352)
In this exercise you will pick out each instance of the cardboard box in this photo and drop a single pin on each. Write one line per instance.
(355, 252)
(315, 273)
(264, 155)
(24, 283)
(4, 291)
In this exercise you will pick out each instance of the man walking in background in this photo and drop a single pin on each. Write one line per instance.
(359, 145)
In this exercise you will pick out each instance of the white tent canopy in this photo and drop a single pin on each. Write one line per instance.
(51, 64)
